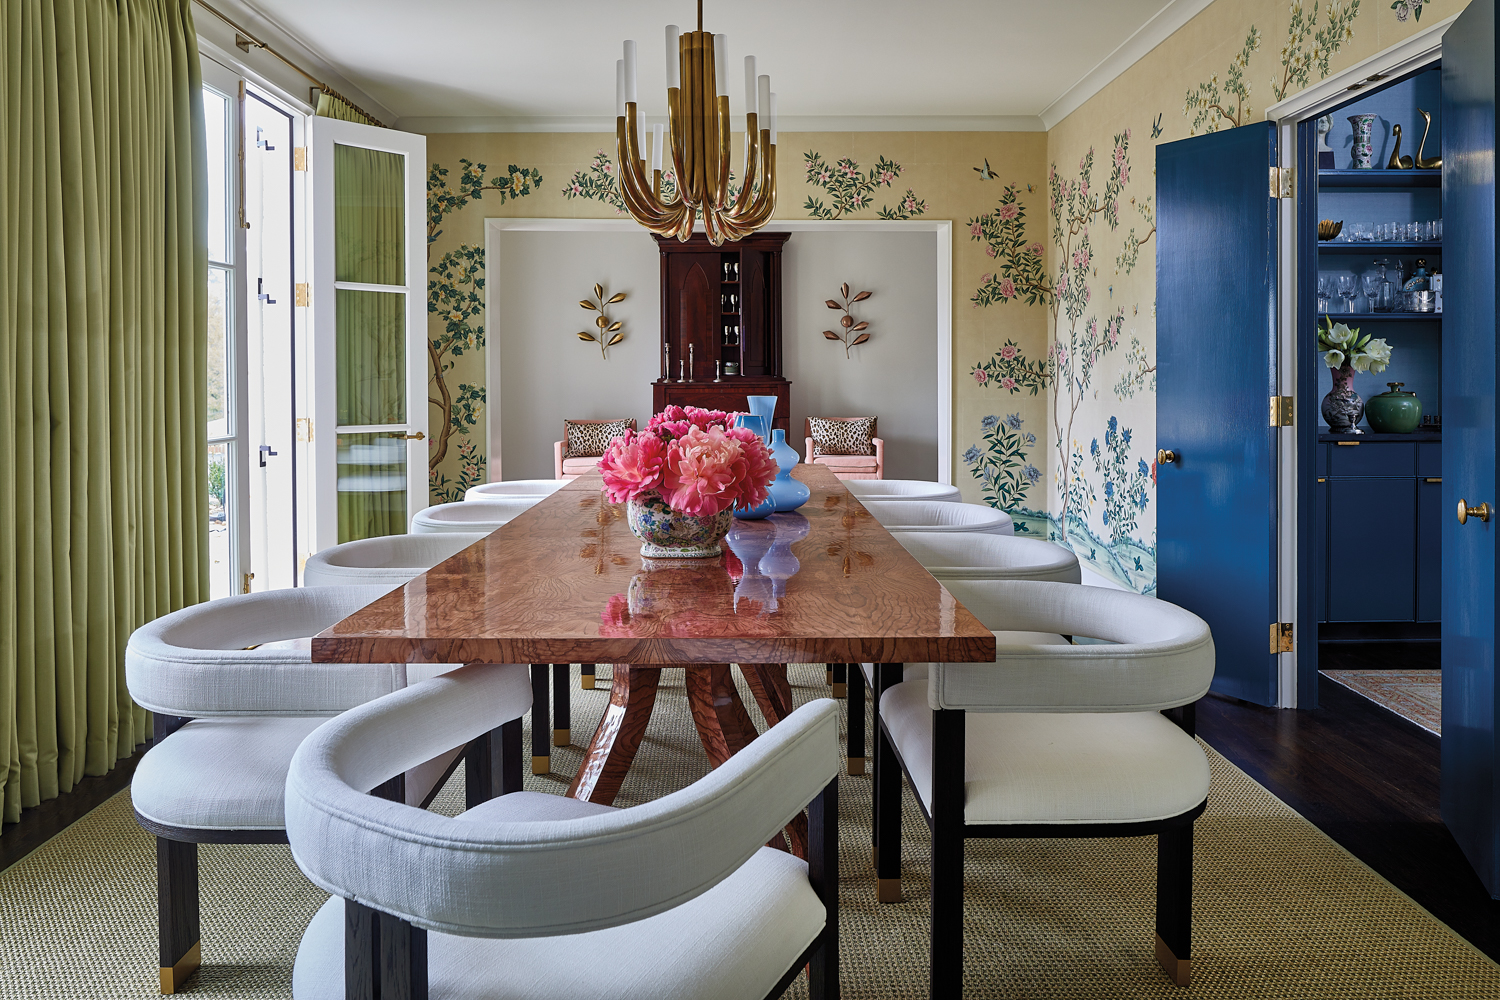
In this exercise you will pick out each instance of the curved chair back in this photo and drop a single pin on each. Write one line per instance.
(929, 515)
(983, 556)
(195, 662)
(387, 561)
(902, 489)
(530, 879)
(515, 488)
(470, 515)
(1156, 655)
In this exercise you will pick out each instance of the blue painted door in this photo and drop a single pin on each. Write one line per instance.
(1216, 336)
(1469, 328)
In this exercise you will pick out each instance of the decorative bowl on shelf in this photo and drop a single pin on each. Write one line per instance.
(1328, 229)
(1394, 412)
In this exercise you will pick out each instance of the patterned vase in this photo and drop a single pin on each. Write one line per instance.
(670, 534)
(1363, 150)
(788, 493)
(1343, 406)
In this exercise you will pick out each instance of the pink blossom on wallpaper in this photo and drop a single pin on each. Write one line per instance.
(980, 375)
(1008, 384)
(823, 177)
(991, 251)
(1008, 212)
(910, 204)
(886, 177)
(1035, 249)
(1007, 288)
(1124, 173)
(1119, 156)
(986, 279)
(1083, 161)
(632, 465)
(1062, 283)
(976, 229)
(577, 188)
(1008, 351)
(1083, 187)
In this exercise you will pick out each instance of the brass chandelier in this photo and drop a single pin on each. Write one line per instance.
(698, 114)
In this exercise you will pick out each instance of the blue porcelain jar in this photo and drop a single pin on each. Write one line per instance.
(788, 493)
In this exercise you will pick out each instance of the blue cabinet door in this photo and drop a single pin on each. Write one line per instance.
(1372, 549)
(1216, 335)
(1469, 328)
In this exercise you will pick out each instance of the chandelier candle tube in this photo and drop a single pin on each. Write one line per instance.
(750, 106)
(772, 122)
(721, 65)
(619, 88)
(674, 53)
(656, 140)
(630, 71)
(763, 96)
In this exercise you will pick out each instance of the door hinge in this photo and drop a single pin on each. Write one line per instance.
(304, 430)
(299, 157)
(1281, 637)
(302, 293)
(1283, 182)
(248, 578)
(1282, 411)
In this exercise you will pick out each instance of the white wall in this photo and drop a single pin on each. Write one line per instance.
(893, 376)
(548, 375)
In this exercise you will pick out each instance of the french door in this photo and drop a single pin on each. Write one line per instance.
(369, 305)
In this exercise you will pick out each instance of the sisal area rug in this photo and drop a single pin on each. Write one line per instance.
(1415, 695)
(1280, 910)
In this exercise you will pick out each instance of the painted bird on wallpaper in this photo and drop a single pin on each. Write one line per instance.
(984, 172)
(1156, 127)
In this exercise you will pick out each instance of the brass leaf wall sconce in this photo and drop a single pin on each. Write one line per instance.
(606, 332)
(851, 332)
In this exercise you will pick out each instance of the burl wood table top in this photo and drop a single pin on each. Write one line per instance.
(565, 583)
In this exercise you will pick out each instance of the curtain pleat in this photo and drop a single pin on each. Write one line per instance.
(103, 302)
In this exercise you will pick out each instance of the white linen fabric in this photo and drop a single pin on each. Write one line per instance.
(515, 488)
(220, 774)
(1125, 767)
(734, 942)
(919, 671)
(471, 515)
(902, 489)
(937, 515)
(387, 561)
(1156, 654)
(195, 663)
(530, 879)
(976, 555)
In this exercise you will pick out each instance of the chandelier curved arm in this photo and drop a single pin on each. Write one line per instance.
(639, 201)
(752, 163)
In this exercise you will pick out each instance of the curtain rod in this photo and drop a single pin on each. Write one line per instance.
(245, 41)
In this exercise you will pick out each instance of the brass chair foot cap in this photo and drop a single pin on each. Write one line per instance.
(841, 690)
(1179, 970)
(541, 765)
(587, 683)
(830, 677)
(856, 765)
(888, 890)
(562, 737)
(174, 978)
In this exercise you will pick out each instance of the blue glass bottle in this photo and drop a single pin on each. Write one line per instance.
(788, 493)
(760, 425)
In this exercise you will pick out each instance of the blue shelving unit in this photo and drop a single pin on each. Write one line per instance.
(1333, 180)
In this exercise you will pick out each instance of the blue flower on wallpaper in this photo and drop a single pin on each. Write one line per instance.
(1032, 473)
(1029, 438)
(1094, 446)
(1109, 489)
(989, 423)
(1013, 421)
(1126, 435)
(1143, 469)
(972, 455)
(1114, 425)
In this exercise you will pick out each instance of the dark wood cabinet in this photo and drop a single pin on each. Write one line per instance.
(721, 324)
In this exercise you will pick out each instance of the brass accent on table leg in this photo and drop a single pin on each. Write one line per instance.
(562, 737)
(888, 890)
(1179, 970)
(586, 682)
(841, 690)
(174, 978)
(856, 766)
(829, 675)
(541, 765)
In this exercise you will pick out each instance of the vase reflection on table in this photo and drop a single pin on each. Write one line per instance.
(767, 558)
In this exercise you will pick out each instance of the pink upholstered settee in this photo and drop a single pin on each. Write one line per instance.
(572, 468)
(849, 466)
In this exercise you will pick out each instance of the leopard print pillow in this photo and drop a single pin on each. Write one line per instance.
(590, 438)
(843, 437)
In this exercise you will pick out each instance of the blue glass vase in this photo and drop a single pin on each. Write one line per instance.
(760, 425)
(763, 406)
(788, 493)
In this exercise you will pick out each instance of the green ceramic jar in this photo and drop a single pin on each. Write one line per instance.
(1394, 412)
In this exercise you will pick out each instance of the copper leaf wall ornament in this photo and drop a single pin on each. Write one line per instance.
(851, 332)
(606, 331)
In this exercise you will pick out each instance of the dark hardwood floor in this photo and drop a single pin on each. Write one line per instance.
(1367, 778)
(40, 824)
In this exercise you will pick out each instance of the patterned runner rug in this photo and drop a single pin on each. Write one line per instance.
(1415, 695)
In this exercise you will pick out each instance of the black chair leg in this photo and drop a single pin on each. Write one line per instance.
(541, 720)
(492, 764)
(823, 875)
(562, 724)
(178, 938)
(1174, 903)
(887, 818)
(586, 676)
(403, 960)
(856, 719)
(840, 680)
(946, 976)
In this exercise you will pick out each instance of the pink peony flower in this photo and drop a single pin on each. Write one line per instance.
(986, 279)
(1008, 384)
(980, 375)
(990, 250)
(1008, 351)
(1007, 288)
(705, 472)
(975, 229)
(632, 465)
(1035, 249)
(1008, 212)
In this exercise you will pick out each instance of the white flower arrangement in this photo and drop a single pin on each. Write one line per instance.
(1342, 347)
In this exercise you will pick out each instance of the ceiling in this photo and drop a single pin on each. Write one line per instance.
(553, 63)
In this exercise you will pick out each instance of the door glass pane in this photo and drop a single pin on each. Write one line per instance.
(220, 569)
(371, 485)
(369, 209)
(371, 349)
(218, 350)
(216, 124)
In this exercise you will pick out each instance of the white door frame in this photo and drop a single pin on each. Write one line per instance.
(942, 229)
(1405, 56)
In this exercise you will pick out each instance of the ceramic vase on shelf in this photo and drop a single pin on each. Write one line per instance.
(1363, 150)
(1394, 412)
(760, 425)
(1343, 406)
(788, 493)
(671, 534)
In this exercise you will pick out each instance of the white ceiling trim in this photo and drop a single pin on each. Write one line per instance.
(789, 123)
(1151, 34)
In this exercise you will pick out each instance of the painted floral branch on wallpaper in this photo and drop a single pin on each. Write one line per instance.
(850, 189)
(597, 182)
(1297, 58)
(1001, 467)
(1213, 108)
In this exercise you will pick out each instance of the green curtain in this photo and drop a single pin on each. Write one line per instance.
(103, 289)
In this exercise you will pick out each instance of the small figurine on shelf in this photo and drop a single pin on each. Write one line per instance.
(1397, 161)
(1427, 163)
(1325, 151)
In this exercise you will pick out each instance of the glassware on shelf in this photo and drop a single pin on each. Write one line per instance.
(1325, 293)
(1373, 283)
(1347, 289)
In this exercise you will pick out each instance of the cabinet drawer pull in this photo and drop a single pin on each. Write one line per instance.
(1347, 444)
(1322, 480)
(1433, 479)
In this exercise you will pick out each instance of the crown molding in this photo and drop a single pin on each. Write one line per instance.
(1147, 37)
(789, 123)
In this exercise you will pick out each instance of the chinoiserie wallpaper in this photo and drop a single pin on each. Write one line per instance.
(1054, 340)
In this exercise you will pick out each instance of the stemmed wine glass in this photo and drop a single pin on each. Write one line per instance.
(1347, 288)
(1373, 284)
(1325, 292)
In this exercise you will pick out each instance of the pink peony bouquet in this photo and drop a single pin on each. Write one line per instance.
(698, 461)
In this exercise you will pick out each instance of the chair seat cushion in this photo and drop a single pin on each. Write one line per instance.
(846, 461)
(918, 671)
(221, 774)
(1119, 767)
(734, 942)
(579, 466)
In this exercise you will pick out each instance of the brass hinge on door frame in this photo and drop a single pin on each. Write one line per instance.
(1281, 637)
(248, 578)
(1283, 182)
(301, 293)
(1282, 411)
(299, 158)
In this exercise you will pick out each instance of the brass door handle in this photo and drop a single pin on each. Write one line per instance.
(409, 437)
(1165, 456)
(1465, 512)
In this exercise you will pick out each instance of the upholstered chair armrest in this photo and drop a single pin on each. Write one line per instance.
(879, 444)
(1155, 656)
(195, 662)
(809, 458)
(557, 459)
(494, 878)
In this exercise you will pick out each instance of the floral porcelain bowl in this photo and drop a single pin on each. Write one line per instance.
(672, 534)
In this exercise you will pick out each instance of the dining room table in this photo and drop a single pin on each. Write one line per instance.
(565, 582)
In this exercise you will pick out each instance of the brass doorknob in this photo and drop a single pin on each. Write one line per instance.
(417, 436)
(1465, 512)
(1165, 456)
